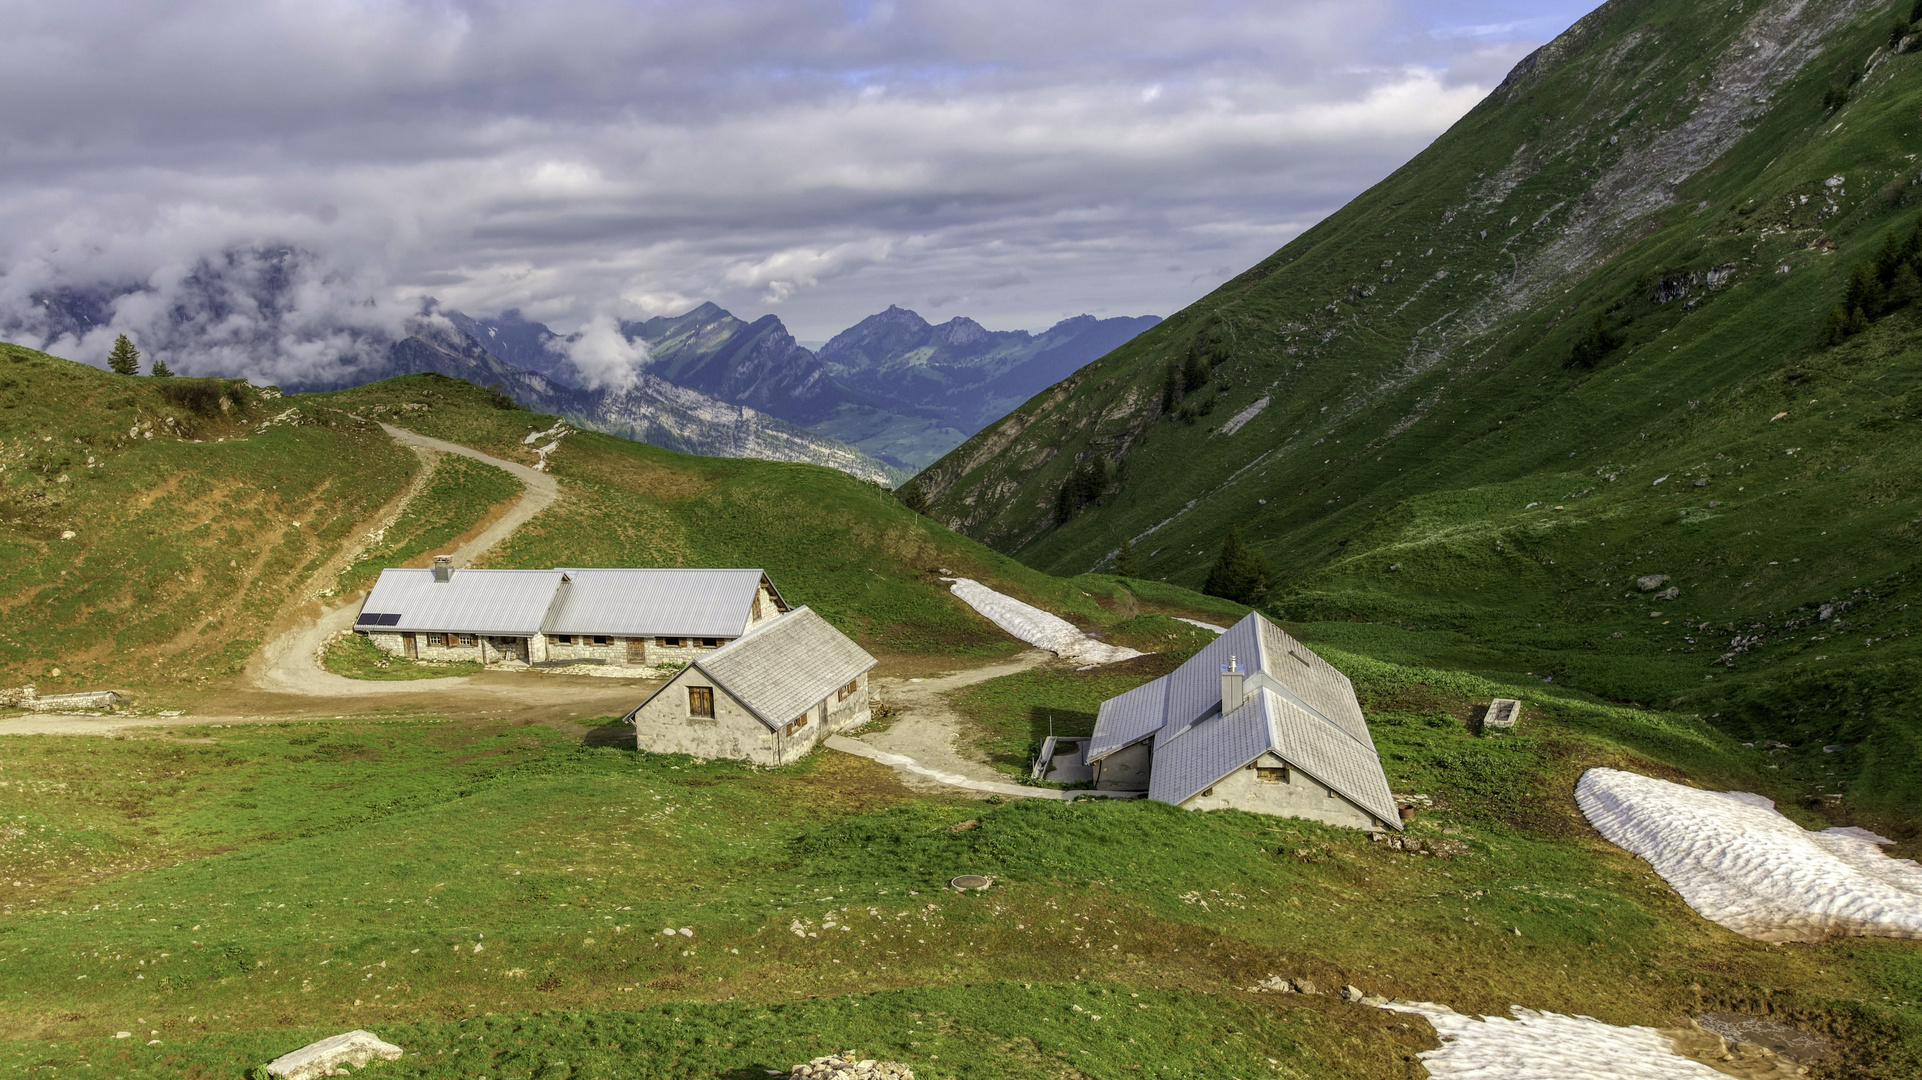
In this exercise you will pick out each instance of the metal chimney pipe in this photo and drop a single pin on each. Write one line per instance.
(1231, 681)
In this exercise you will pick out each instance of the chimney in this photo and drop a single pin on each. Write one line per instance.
(443, 568)
(1231, 695)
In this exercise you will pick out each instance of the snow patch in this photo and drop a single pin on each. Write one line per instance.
(1037, 627)
(1240, 420)
(1537, 1045)
(1738, 862)
(1203, 625)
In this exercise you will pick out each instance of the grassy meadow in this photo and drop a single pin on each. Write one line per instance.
(495, 898)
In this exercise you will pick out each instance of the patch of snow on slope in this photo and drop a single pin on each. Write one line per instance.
(1203, 625)
(1548, 1046)
(1240, 420)
(1037, 627)
(1738, 862)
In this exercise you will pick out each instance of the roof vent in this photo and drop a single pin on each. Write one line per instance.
(1231, 682)
(443, 568)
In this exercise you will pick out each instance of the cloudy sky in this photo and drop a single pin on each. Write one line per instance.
(1018, 161)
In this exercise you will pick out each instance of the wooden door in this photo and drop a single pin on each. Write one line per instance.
(409, 647)
(636, 650)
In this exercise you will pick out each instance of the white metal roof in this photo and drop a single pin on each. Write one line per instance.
(521, 603)
(506, 602)
(682, 603)
(783, 668)
(1297, 705)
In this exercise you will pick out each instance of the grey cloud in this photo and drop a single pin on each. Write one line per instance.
(588, 159)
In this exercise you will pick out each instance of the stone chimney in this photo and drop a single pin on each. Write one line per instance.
(1231, 693)
(443, 568)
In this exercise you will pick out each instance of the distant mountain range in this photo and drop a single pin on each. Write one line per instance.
(882, 400)
(893, 385)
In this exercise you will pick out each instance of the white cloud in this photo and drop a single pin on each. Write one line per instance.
(602, 357)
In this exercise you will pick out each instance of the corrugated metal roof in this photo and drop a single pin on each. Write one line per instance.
(1309, 717)
(505, 602)
(641, 603)
(782, 668)
(1214, 749)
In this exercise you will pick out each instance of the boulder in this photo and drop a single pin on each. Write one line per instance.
(1669, 593)
(1651, 582)
(1351, 992)
(355, 1048)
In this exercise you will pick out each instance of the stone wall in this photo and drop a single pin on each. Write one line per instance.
(663, 726)
(1125, 769)
(1294, 794)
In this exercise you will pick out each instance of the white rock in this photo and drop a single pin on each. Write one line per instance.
(355, 1048)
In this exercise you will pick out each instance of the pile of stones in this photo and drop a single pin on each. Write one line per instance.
(848, 1066)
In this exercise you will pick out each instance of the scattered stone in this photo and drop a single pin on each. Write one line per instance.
(1651, 582)
(1503, 715)
(1273, 984)
(1703, 482)
(1669, 593)
(1394, 568)
(355, 1048)
(971, 881)
(1351, 992)
(1307, 986)
(1713, 504)
(847, 1066)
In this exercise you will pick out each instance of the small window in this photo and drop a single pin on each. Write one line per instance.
(1331, 793)
(600, 639)
(700, 701)
(1266, 775)
(848, 690)
(1207, 792)
(801, 721)
(564, 639)
(668, 642)
(467, 640)
(710, 643)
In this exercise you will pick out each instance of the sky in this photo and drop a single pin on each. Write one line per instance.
(587, 161)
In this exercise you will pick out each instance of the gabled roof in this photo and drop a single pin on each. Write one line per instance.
(507, 602)
(782, 668)
(1268, 722)
(624, 602)
(634, 602)
(1297, 706)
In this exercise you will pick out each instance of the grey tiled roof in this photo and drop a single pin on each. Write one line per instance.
(506, 602)
(1298, 706)
(782, 668)
(682, 603)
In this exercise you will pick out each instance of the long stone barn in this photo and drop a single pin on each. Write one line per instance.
(606, 618)
(768, 697)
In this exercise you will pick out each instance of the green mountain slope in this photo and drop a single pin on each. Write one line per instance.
(1578, 341)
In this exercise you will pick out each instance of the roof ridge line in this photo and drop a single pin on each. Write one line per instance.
(1274, 685)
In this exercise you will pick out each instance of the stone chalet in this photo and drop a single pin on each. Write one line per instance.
(1256, 722)
(621, 618)
(767, 697)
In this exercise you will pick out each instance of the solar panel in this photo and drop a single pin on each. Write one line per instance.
(390, 620)
(368, 618)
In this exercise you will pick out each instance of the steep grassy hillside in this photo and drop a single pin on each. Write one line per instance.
(1579, 341)
(841, 545)
(152, 529)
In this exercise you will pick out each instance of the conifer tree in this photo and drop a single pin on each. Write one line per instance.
(161, 370)
(1240, 574)
(1124, 560)
(124, 359)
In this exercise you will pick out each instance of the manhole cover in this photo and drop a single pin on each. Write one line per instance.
(971, 881)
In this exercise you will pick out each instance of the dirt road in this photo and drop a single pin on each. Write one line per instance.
(290, 663)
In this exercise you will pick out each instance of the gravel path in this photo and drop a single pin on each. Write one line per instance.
(921, 744)
(290, 663)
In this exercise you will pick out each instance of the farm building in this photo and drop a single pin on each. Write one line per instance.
(1256, 722)
(767, 697)
(550, 618)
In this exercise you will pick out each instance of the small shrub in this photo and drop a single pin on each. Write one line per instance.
(198, 396)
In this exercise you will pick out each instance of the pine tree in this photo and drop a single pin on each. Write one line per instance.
(1240, 574)
(1124, 560)
(124, 359)
(161, 370)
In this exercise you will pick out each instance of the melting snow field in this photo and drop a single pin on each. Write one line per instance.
(1548, 1046)
(1739, 863)
(1037, 627)
(1203, 625)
